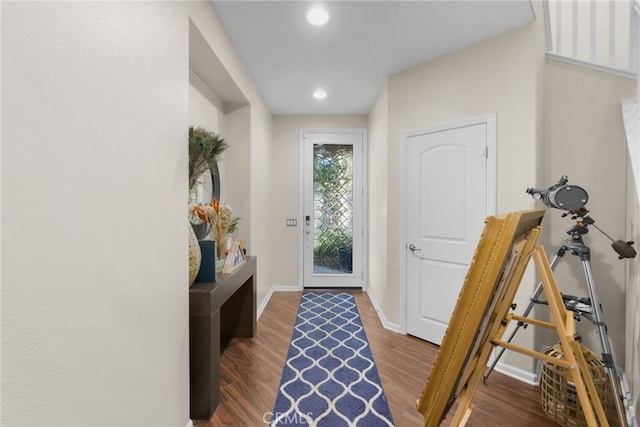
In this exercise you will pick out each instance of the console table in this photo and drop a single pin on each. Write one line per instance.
(218, 311)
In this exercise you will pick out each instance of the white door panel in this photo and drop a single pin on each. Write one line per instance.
(437, 311)
(446, 194)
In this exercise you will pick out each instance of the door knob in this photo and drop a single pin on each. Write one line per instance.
(413, 248)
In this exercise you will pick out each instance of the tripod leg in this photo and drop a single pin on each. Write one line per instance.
(617, 384)
(535, 299)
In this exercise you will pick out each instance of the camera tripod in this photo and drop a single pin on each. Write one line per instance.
(588, 308)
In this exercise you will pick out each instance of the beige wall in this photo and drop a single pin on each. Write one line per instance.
(553, 119)
(285, 195)
(236, 179)
(203, 113)
(261, 194)
(585, 140)
(502, 76)
(378, 208)
(94, 272)
(247, 175)
(94, 233)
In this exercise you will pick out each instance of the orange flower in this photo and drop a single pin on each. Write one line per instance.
(200, 212)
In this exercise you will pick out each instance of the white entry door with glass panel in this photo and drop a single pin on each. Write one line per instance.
(333, 208)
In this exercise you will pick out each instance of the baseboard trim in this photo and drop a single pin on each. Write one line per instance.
(518, 374)
(531, 378)
(190, 423)
(272, 289)
(385, 323)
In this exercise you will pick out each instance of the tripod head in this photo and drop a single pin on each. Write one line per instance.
(573, 199)
(622, 248)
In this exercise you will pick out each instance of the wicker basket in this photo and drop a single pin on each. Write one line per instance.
(559, 398)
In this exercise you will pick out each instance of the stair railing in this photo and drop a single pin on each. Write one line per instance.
(596, 34)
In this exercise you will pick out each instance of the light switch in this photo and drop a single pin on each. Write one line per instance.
(292, 222)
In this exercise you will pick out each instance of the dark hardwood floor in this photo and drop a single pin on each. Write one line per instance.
(251, 370)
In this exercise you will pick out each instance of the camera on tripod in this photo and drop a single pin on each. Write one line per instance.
(561, 195)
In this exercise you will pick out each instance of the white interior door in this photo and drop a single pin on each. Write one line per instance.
(446, 205)
(333, 208)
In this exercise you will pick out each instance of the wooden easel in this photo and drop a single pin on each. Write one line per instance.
(481, 317)
(574, 365)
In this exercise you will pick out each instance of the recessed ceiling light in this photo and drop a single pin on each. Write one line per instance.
(318, 16)
(319, 94)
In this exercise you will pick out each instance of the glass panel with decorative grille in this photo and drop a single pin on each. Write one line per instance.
(332, 209)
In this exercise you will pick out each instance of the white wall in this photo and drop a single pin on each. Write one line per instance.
(94, 191)
(585, 140)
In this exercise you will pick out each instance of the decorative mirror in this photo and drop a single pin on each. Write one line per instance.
(207, 187)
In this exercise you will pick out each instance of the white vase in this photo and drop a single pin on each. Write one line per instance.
(195, 256)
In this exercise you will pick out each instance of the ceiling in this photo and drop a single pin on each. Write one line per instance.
(362, 44)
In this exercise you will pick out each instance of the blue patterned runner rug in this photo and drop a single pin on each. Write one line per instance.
(329, 378)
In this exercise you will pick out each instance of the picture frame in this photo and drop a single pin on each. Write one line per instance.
(235, 257)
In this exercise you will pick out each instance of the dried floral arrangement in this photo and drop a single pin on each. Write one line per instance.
(220, 219)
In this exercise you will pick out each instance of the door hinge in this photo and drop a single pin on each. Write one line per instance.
(486, 152)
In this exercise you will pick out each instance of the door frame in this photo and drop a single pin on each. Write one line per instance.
(365, 200)
(490, 202)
